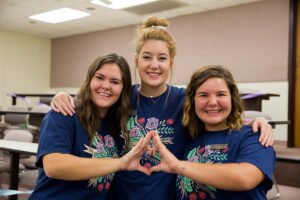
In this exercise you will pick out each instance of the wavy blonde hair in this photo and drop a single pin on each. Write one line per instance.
(190, 118)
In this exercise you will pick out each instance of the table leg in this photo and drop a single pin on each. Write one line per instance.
(14, 174)
(14, 100)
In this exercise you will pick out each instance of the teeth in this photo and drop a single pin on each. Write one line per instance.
(213, 111)
(103, 94)
(153, 74)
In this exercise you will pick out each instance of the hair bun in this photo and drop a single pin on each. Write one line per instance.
(155, 22)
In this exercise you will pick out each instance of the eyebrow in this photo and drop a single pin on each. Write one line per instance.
(221, 91)
(113, 78)
(160, 54)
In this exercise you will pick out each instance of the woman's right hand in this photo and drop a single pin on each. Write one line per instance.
(131, 160)
(63, 103)
(169, 163)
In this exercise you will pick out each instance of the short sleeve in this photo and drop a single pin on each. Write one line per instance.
(56, 135)
(251, 151)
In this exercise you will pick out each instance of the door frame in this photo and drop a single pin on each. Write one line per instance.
(292, 66)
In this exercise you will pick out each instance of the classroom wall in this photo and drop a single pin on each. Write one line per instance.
(24, 65)
(250, 39)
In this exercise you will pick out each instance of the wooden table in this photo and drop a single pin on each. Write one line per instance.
(253, 101)
(274, 123)
(14, 96)
(287, 154)
(3, 112)
(16, 148)
(288, 158)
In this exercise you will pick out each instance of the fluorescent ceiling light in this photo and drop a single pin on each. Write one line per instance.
(59, 15)
(120, 4)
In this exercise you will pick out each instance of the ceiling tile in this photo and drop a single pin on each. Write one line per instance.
(14, 15)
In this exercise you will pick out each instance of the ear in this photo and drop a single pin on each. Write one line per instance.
(136, 57)
(171, 64)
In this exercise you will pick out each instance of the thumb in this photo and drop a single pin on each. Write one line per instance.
(254, 125)
(155, 169)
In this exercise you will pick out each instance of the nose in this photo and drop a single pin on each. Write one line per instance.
(105, 84)
(154, 63)
(212, 100)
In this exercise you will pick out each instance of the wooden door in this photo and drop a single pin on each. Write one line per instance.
(297, 83)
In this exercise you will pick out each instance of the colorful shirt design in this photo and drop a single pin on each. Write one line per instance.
(225, 146)
(65, 134)
(103, 147)
(138, 128)
(164, 115)
(206, 154)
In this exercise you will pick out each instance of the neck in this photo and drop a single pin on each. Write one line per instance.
(215, 128)
(152, 91)
(102, 113)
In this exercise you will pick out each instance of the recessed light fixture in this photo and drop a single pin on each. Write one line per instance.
(120, 4)
(59, 15)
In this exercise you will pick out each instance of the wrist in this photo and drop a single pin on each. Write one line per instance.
(120, 164)
(180, 167)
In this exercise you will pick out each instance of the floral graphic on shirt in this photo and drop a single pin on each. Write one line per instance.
(194, 190)
(102, 147)
(139, 127)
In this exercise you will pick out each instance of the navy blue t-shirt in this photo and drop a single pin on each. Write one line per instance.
(222, 147)
(164, 114)
(65, 134)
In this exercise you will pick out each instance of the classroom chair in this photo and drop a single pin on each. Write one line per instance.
(16, 135)
(15, 121)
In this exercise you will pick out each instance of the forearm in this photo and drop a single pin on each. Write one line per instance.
(236, 177)
(69, 167)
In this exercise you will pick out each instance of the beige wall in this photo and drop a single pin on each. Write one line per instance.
(250, 39)
(24, 65)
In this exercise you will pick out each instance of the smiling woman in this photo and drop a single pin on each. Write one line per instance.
(223, 159)
(78, 154)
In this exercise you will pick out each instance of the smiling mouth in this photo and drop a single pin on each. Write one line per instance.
(103, 94)
(213, 111)
(153, 74)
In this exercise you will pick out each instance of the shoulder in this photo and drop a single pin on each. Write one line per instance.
(249, 140)
(177, 91)
(55, 118)
(52, 114)
(244, 136)
(244, 131)
(134, 91)
(180, 90)
(60, 127)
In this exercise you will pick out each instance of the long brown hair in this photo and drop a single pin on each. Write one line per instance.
(190, 118)
(118, 113)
